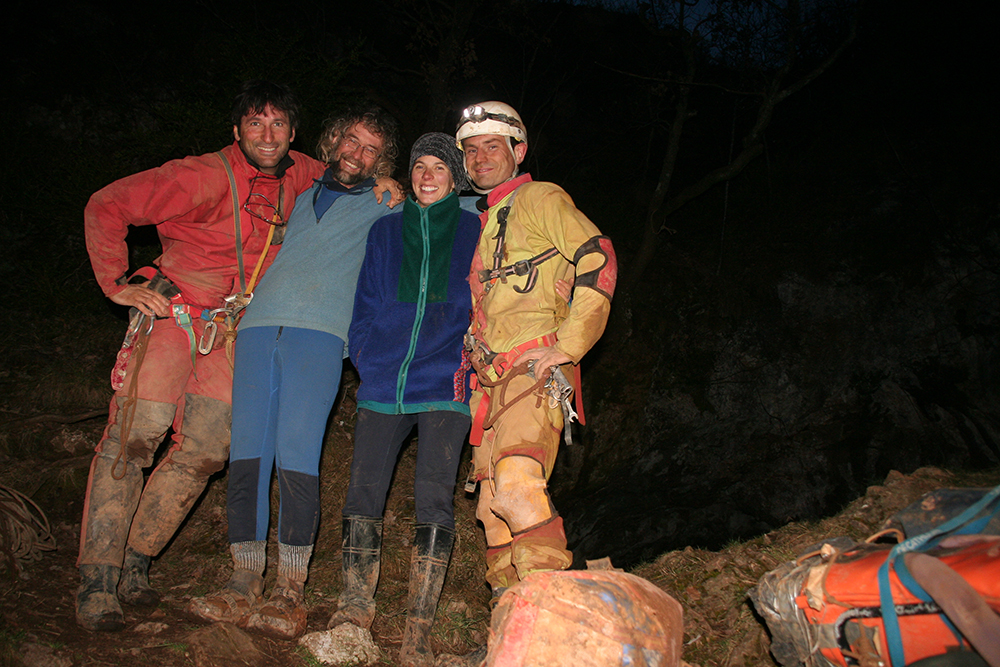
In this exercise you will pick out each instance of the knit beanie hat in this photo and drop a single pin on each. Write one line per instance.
(441, 146)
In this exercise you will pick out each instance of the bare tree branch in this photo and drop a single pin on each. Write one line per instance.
(772, 92)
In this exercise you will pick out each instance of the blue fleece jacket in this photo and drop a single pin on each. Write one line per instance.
(311, 283)
(412, 308)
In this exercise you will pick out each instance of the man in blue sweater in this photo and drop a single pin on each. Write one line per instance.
(287, 373)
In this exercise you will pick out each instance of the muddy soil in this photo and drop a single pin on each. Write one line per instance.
(37, 625)
(37, 614)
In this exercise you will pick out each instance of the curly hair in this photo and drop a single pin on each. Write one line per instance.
(257, 94)
(376, 120)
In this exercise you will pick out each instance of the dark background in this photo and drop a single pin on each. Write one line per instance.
(794, 332)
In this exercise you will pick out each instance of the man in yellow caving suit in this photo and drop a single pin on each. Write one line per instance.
(522, 331)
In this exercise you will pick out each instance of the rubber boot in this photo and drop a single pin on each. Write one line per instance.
(284, 614)
(431, 553)
(134, 588)
(362, 553)
(495, 598)
(97, 605)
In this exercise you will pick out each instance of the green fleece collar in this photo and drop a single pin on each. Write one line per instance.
(428, 239)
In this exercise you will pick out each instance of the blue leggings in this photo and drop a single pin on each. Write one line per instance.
(284, 384)
(378, 439)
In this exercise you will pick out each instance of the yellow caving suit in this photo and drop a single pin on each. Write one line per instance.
(514, 313)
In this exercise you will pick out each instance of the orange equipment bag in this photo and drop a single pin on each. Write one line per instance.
(593, 618)
(842, 596)
(890, 605)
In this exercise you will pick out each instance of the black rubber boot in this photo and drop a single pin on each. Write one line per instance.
(97, 605)
(431, 553)
(134, 586)
(362, 554)
(495, 598)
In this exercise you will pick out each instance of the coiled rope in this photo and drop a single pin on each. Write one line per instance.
(24, 529)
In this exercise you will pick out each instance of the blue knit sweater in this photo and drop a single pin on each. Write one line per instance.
(311, 283)
(411, 310)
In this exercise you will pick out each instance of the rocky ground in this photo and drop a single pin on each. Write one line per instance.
(37, 624)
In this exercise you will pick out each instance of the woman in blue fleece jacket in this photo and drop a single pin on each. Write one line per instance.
(411, 310)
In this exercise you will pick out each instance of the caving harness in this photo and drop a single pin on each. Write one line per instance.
(553, 384)
(184, 314)
(234, 304)
(525, 267)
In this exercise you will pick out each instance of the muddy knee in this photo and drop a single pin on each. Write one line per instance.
(141, 426)
(522, 499)
(206, 431)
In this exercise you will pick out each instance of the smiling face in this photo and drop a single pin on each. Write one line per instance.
(355, 155)
(431, 180)
(489, 161)
(265, 137)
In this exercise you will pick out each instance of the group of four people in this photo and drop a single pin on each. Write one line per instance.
(396, 287)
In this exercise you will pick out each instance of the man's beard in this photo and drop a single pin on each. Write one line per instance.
(349, 178)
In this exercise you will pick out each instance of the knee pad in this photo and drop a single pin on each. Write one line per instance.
(207, 423)
(522, 499)
(144, 425)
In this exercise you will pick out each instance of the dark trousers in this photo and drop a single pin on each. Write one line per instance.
(378, 439)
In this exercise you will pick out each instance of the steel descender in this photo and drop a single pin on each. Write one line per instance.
(136, 323)
(559, 391)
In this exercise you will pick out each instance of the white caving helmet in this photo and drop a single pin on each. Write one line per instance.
(491, 118)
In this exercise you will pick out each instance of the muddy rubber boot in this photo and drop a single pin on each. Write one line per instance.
(495, 598)
(284, 614)
(362, 555)
(431, 553)
(97, 605)
(241, 595)
(134, 588)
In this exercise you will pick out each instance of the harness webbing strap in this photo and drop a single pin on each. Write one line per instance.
(959, 525)
(183, 319)
(525, 267)
(246, 290)
(126, 414)
(236, 219)
(501, 362)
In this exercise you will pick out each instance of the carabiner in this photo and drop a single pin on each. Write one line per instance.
(211, 329)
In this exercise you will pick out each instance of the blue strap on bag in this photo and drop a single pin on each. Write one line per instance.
(964, 524)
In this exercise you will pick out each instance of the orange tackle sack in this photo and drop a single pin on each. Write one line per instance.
(883, 605)
(592, 618)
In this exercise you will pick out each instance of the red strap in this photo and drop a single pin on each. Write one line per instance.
(501, 363)
(505, 360)
(476, 433)
(578, 398)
